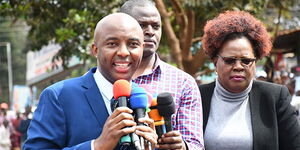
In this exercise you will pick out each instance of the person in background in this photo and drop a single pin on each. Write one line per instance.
(3, 112)
(15, 137)
(5, 143)
(76, 113)
(162, 77)
(261, 75)
(24, 124)
(285, 77)
(277, 78)
(240, 112)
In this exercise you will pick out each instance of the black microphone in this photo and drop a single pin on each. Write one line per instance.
(166, 108)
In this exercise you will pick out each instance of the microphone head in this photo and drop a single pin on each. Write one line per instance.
(165, 104)
(149, 92)
(138, 98)
(158, 119)
(121, 88)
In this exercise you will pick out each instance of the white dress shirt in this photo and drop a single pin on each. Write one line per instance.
(106, 90)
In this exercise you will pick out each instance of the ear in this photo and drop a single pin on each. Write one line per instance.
(94, 50)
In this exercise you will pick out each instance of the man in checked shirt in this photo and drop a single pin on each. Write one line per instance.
(161, 77)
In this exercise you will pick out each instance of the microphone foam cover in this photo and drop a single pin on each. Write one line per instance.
(166, 110)
(165, 104)
(149, 92)
(121, 88)
(138, 98)
(154, 114)
(153, 102)
(164, 98)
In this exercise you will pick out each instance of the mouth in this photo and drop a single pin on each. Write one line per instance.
(238, 78)
(122, 67)
(149, 42)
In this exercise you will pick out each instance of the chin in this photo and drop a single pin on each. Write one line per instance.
(124, 77)
(238, 89)
(148, 53)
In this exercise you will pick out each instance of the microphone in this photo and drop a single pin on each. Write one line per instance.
(121, 92)
(139, 102)
(159, 121)
(149, 91)
(166, 107)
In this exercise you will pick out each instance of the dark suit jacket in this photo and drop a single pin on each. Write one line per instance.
(274, 122)
(69, 115)
(24, 124)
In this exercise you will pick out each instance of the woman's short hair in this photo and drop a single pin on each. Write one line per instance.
(234, 24)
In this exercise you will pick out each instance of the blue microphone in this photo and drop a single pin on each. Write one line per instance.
(138, 102)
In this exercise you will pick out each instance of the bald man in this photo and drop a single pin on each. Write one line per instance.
(76, 113)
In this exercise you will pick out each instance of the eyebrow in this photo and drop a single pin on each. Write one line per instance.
(134, 39)
(130, 39)
(111, 38)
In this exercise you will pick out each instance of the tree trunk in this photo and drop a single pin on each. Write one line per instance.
(172, 39)
(180, 47)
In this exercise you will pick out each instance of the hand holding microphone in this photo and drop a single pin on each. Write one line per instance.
(139, 103)
(121, 91)
(166, 108)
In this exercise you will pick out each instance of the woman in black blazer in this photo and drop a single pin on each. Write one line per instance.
(238, 111)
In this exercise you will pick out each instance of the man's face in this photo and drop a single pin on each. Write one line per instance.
(119, 49)
(150, 21)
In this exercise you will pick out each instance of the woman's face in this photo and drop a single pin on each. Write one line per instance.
(235, 64)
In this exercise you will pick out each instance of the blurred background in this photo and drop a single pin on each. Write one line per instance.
(45, 41)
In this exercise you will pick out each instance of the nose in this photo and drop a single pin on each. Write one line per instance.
(238, 65)
(123, 51)
(149, 31)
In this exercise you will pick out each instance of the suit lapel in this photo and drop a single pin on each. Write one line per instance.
(206, 95)
(94, 97)
(254, 99)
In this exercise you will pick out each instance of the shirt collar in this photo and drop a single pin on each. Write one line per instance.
(157, 64)
(105, 87)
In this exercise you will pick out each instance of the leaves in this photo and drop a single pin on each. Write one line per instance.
(71, 22)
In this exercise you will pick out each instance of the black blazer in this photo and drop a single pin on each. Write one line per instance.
(274, 122)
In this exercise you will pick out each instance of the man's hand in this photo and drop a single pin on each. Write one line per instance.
(171, 140)
(147, 132)
(114, 128)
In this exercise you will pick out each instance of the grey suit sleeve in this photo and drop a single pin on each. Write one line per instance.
(288, 125)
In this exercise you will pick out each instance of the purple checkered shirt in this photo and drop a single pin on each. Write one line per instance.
(183, 87)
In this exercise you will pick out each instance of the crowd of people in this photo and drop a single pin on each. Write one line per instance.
(236, 111)
(13, 128)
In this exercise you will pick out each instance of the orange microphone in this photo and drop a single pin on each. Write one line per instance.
(159, 121)
(121, 91)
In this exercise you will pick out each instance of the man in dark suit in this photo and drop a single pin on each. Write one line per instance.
(76, 113)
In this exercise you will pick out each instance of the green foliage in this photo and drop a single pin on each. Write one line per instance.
(71, 22)
(15, 33)
(67, 22)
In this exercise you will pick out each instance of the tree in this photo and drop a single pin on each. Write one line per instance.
(71, 23)
(183, 21)
(14, 33)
